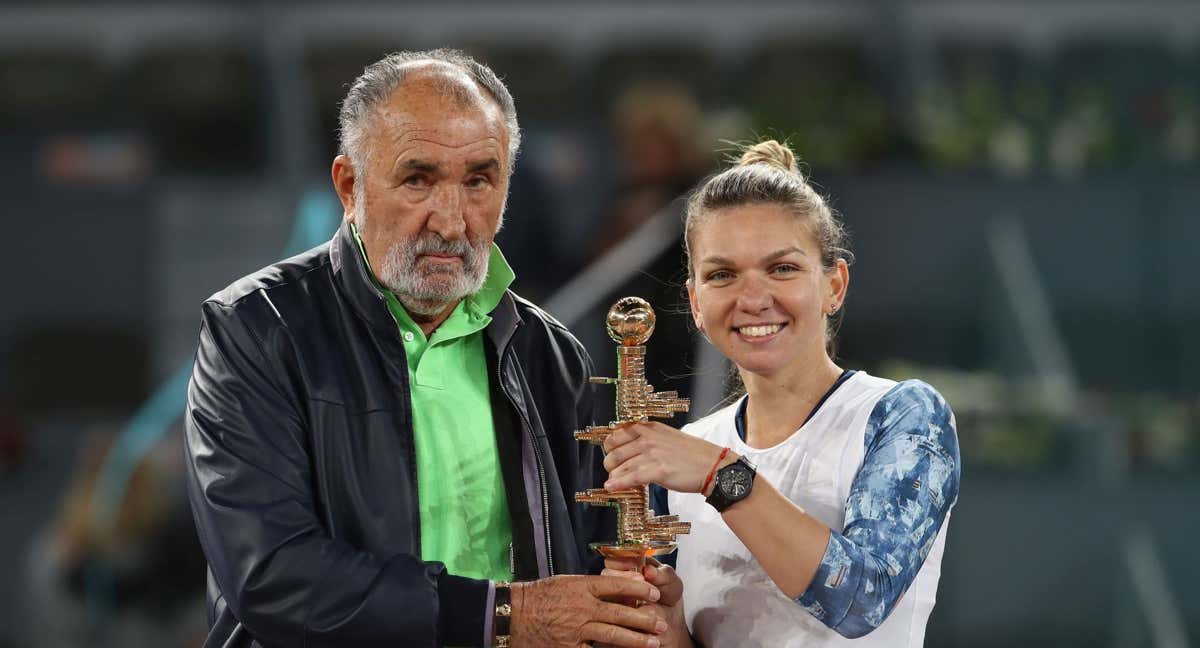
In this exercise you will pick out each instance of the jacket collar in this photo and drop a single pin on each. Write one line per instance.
(355, 283)
(353, 280)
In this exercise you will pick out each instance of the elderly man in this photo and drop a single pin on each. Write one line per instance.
(378, 431)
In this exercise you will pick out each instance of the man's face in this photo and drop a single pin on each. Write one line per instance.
(432, 195)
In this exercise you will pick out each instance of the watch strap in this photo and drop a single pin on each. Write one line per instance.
(718, 499)
(502, 615)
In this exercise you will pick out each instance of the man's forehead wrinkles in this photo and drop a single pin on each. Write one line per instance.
(483, 141)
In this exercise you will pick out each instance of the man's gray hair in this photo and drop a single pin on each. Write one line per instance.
(381, 79)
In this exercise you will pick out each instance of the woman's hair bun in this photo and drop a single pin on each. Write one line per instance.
(772, 153)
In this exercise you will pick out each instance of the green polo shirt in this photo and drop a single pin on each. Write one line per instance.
(464, 510)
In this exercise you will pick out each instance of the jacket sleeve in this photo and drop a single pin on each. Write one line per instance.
(898, 502)
(284, 578)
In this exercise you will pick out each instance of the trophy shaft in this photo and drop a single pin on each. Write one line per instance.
(639, 533)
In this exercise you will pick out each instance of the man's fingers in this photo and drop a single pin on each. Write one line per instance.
(643, 619)
(608, 586)
(616, 636)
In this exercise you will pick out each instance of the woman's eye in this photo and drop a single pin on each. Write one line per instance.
(785, 268)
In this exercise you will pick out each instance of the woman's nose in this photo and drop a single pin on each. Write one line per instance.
(754, 297)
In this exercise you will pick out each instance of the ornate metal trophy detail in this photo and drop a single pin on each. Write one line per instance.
(640, 533)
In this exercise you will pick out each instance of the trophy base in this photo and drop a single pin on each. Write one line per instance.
(639, 551)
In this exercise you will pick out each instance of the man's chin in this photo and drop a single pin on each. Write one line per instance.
(431, 299)
(424, 310)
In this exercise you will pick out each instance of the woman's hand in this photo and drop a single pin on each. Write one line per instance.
(651, 452)
(670, 587)
(669, 607)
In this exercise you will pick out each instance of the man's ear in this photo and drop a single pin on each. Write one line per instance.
(344, 177)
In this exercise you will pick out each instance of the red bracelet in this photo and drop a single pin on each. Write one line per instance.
(712, 472)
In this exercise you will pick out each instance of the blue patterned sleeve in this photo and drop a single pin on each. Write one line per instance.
(898, 502)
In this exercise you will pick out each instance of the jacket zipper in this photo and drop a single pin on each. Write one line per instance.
(537, 454)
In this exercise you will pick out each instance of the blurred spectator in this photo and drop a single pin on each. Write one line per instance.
(660, 136)
(658, 129)
(137, 579)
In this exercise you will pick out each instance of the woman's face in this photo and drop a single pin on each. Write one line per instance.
(759, 291)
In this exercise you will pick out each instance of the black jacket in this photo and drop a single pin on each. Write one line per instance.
(301, 467)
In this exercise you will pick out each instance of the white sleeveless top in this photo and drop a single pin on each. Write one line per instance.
(729, 599)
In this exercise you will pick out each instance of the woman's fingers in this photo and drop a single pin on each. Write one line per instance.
(620, 454)
(622, 435)
(629, 474)
(667, 581)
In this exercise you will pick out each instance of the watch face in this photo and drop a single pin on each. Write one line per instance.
(737, 483)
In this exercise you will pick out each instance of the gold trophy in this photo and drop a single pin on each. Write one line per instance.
(640, 533)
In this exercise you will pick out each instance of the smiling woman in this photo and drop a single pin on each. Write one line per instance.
(819, 500)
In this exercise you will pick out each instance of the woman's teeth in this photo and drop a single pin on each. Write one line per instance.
(759, 331)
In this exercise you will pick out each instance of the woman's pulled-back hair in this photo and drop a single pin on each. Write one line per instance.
(767, 174)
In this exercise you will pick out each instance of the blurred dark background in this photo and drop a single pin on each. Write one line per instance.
(1021, 180)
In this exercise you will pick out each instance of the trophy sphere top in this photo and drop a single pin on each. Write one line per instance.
(630, 321)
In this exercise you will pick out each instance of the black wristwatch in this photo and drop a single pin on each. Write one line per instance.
(734, 483)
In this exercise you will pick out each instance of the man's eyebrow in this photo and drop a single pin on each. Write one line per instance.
(718, 260)
(490, 164)
(419, 165)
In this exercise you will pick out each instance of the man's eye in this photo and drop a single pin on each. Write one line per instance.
(478, 182)
(785, 268)
(719, 275)
(415, 180)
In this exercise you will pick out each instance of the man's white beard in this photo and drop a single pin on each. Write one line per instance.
(425, 287)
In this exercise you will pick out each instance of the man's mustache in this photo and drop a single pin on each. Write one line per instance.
(431, 243)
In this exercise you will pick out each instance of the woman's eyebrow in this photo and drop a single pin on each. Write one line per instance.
(778, 254)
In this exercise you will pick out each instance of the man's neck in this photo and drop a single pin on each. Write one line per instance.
(429, 323)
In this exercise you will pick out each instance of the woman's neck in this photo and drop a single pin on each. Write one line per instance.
(780, 403)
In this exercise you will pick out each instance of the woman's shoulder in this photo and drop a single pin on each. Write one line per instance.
(715, 423)
(915, 409)
(912, 393)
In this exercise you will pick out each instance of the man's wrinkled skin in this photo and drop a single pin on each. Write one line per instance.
(575, 610)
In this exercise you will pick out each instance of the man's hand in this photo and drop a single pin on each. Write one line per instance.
(661, 576)
(571, 611)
